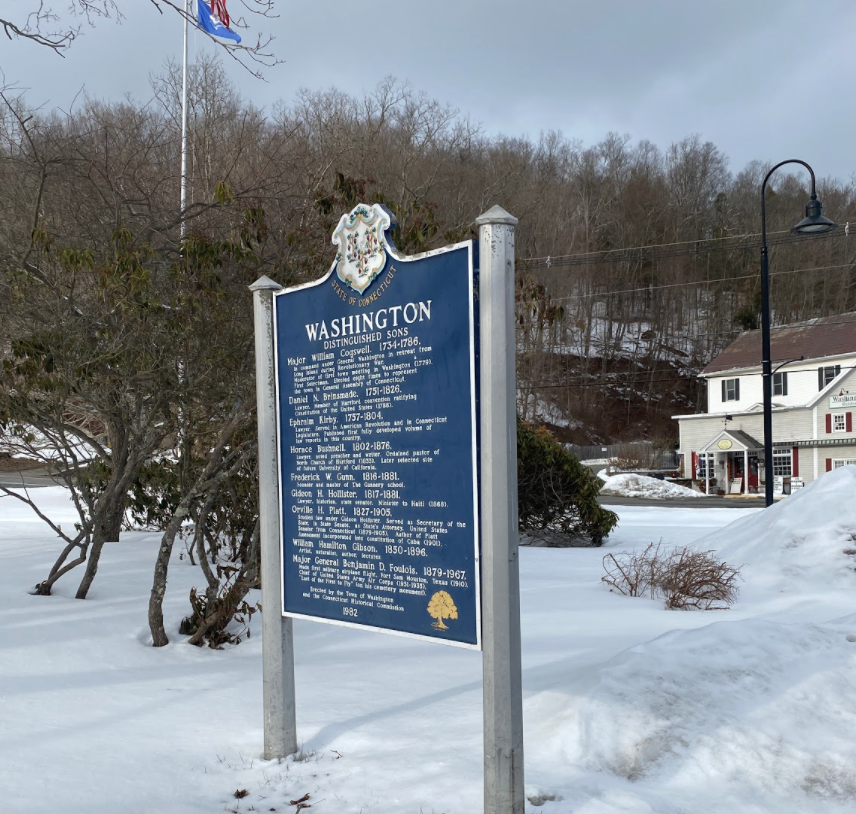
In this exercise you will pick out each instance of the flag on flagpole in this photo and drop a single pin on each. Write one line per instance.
(210, 20)
(218, 7)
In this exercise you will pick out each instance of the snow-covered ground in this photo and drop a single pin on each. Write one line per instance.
(629, 484)
(627, 707)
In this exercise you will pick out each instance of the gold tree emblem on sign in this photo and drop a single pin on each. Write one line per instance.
(442, 607)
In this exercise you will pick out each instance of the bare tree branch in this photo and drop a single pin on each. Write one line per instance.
(46, 28)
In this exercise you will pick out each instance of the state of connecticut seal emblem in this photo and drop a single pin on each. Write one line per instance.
(362, 245)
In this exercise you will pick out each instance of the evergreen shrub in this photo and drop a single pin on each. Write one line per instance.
(556, 494)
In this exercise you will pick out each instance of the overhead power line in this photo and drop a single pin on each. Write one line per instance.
(697, 282)
(574, 385)
(701, 246)
(641, 377)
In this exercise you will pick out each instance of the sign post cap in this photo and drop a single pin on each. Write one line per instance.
(496, 214)
(265, 283)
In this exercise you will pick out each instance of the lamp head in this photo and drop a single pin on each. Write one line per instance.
(814, 222)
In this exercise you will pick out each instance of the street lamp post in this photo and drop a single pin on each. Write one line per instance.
(814, 223)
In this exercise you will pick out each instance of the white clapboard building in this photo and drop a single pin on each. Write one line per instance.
(814, 401)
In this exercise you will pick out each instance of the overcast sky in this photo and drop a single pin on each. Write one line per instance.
(765, 79)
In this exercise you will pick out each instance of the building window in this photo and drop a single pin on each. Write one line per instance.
(782, 462)
(731, 389)
(780, 384)
(837, 462)
(839, 422)
(705, 462)
(826, 374)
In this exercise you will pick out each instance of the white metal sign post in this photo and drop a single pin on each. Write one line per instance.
(503, 704)
(280, 727)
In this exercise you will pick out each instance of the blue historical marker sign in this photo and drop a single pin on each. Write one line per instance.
(377, 437)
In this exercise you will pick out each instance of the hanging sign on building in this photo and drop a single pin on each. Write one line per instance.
(842, 400)
(377, 437)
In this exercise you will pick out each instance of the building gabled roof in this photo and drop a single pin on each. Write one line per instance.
(743, 440)
(815, 339)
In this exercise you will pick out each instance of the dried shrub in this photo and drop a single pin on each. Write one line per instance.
(685, 578)
(625, 463)
(632, 574)
(696, 579)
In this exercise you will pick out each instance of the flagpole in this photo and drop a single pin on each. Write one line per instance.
(184, 124)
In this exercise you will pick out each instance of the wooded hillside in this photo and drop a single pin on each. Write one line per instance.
(635, 264)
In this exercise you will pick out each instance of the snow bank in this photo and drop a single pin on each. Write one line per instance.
(753, 714)
(630, 485)
(743, 716)
(798, 545)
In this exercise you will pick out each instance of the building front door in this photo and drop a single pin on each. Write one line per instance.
(737, 463)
